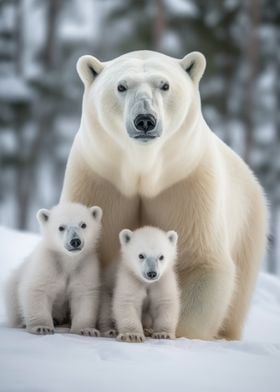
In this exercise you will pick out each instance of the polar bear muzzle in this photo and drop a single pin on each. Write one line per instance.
(151, 269)
(73, 241)
(143, 123)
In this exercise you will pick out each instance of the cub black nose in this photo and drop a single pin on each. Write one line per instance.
(75, 243)
(145, 122)
(151, 274)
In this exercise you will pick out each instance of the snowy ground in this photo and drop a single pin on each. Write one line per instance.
(73, 363)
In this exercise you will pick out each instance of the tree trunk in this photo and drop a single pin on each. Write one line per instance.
(159, 24)
(50, 53)
(252, 54)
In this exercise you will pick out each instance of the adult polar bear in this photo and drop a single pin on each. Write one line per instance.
(146, 156)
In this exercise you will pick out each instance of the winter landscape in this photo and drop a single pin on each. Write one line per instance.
(70, 362)
(40, 107)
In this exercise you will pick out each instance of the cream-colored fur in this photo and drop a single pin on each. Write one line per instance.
(57, 278)
(186, 178)
(146, 286)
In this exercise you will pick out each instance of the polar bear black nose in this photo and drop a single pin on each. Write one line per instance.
(145, 122)
(75, 243)
(151, 274)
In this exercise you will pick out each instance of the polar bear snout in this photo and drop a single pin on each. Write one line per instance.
(73, 240)
(151, 269)
(75, 243)
(144, 127)
(145, 122)
(151, 275)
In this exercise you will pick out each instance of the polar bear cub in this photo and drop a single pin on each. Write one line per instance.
(61, 276)
(146, 285)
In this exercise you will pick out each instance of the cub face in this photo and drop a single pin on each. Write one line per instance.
(148, 251)
(70, 228)
(144, 96)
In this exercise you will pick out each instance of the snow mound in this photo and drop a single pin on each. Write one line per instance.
(74, 363)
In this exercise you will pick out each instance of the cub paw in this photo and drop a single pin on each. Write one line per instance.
(111, 333)
(131, 337)
(163, 335)
(88, 332)
(41, 330)
(148, 332)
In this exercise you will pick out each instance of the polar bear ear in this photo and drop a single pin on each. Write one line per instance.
(43, 216)
(194, 64)
(97, 213)
(88, 68)
(172, 236)
(125, 236)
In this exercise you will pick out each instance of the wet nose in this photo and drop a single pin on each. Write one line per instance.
(151, 274)
(145, 122)
(75, 243)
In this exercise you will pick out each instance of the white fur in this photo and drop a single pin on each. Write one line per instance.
(165, 160)
(187, 179)
(137, 299)
(54, 279)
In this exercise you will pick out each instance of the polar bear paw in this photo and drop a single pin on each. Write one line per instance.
(87, 332)
(131, 337)
(163, 335)
(41, 330)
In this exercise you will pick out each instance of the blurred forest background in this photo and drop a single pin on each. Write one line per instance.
(40, 92)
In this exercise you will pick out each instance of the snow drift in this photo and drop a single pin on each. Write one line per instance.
(70, 362)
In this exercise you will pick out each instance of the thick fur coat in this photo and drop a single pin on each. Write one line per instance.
(172, 172)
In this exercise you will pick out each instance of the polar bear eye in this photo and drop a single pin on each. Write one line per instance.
(83, 225)
(165, 87)
(61, 228)
(141, 256)
(161, 257)
(121, 88)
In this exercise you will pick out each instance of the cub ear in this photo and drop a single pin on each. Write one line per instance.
(97, 213)
(43, 216)
(194, 64)
(88, 68)
(172, 236)
(125, 236)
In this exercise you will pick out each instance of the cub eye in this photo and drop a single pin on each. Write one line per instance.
(121, 88)
(141, 256)
(165, 87)
(83, 225)
(61, 228)
(161, 257)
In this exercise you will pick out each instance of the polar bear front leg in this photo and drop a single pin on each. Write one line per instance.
(129, 324)
(84, 310)
(206, 295)
(166, 316)
(37, 309)
(165, 307)
(128, 321)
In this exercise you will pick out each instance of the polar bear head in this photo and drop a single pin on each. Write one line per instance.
(148, 252)
(142, 96)
(70, 228)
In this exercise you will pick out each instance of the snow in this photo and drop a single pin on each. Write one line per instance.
(70, 362)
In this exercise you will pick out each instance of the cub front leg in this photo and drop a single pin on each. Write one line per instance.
(37, 311)
(84, 310)
(165, 308)
(128, 321)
